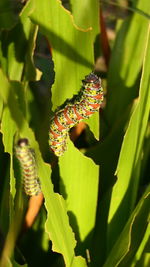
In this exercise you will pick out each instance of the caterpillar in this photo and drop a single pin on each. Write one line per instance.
(81, 106)
(28, 166)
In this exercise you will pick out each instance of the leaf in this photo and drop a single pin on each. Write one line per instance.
(72, 49)
(141, 252)
(88, 17)
(129, 241)
(16, 53)
(126, 63)
(114, 122)
(10, 11)
(57, 227)
(79, 186)
(125, 190)
(8, 129)
(1, 108)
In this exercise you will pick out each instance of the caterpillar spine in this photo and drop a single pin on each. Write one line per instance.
(81, 106)
(28, 167)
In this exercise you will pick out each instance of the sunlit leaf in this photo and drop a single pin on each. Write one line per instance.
(125, 190)
(57, 225)
(128, 242)
(126, 63)
(72, 49)
(79, 186)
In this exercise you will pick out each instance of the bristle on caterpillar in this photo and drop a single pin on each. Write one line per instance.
(81, 106)
(28, 166)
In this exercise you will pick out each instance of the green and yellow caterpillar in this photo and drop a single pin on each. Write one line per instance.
(27, 162)
(81, 106)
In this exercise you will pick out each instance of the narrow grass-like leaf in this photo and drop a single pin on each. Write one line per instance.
(140, 251)
(125, 68)
(125, 190)
(145, 258)
(8, 129)
(115, 117)
(79, 186)
(1, 108)
(106, 154)
(129, 241)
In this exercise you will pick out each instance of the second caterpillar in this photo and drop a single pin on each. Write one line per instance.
(28, 166)
(81, 106)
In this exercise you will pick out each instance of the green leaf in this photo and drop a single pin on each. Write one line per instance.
(16, 53)
(13, 263)
(129, 241)
(125, 190)
(11, 10)
(88, 17)
(1, 108)
(106, 153)
(141, 250)
(8, 13)
(126, 63)
(79, 186)
(72, 50)
(8, 129)
(57, 225)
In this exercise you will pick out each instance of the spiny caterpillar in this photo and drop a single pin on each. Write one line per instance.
(80, 107)
(28, 167)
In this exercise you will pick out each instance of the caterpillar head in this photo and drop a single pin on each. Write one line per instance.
(23, 142)
(91, 78)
